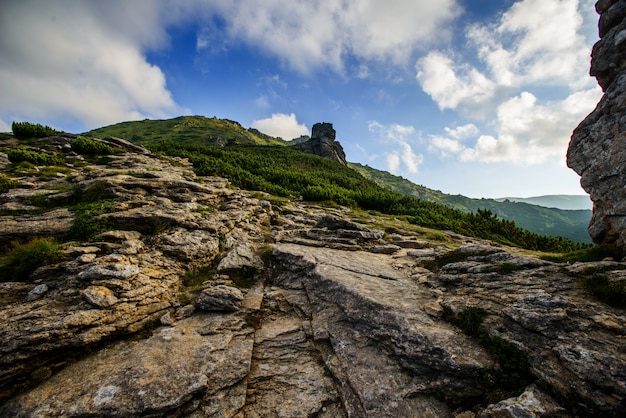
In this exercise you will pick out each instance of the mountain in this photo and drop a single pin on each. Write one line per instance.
(565, 202)
(542, 220)
(135, 283)
(195, 130)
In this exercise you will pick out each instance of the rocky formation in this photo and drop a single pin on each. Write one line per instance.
(323, 143)
(202, 300)
(597, 150)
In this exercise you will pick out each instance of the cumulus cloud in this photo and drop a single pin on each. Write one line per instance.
(450, 84)
(503, 76)
(526, 132)
(281, 125)
(397, 137)
(530, 45)
(81, 61)
(308, 35)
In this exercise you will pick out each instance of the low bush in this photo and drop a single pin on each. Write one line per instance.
(88, 146)
(6, 183)
(87, 220)
(18, 155)
(23, 259)
(611, 292)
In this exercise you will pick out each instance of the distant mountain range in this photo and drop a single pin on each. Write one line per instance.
(543, 215)
(548, 218)
(559, 201)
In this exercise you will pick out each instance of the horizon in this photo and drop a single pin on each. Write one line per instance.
(478, 100)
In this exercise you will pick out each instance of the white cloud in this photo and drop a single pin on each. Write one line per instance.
(81, 61)
(452, 85)
(525, 76)
(398, 136)
(462, 132)
(445, 146)
(526, 132)
(529, 44)
(307, 35)
(281, 125)
(393, 162)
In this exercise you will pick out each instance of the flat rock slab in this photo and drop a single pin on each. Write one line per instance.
(196, 359)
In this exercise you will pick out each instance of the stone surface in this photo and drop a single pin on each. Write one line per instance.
(532, 403)
(220, 298)
(323, 143)
(240, 258)
(339, 320)
(597, 150)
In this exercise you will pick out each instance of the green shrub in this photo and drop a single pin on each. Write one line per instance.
(6, 183)
(18, 155)
(611, 292)
(88, 146)
(87, 220)
(23, 259)
(27, 130)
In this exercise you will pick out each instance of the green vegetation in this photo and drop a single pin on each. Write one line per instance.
(18, 155)
(6, 183)
(190, 130)
(88, 207)
(611, 292)
(27, 130)
(22, 259)
(588, 254)
(570, 224)
(511, 373)
(286, 172)
(88, 146)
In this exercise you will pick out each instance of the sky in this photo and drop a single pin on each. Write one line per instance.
(471, 97)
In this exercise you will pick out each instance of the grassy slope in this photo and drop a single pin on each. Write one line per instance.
(197, 130)
(546, 221)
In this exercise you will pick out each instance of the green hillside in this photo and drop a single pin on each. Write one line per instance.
(541, 220)
(196, 130)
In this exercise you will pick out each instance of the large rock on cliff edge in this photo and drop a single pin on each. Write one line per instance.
(597, 151)
(323, 143)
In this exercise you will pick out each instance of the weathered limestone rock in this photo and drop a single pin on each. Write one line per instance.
(242, 257)
(532, 403)
(55, 223)
(99, 296)
(323, 143)
(220, 298)
(375, 339)
(199, 360)
(597, 150)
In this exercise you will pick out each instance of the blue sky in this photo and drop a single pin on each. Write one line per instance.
(472, 97)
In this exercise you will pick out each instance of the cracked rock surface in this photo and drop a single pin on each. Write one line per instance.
(205, 301)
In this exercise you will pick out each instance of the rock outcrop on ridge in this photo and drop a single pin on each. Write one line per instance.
(201, 300)
(323, 143)
(597, 151)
